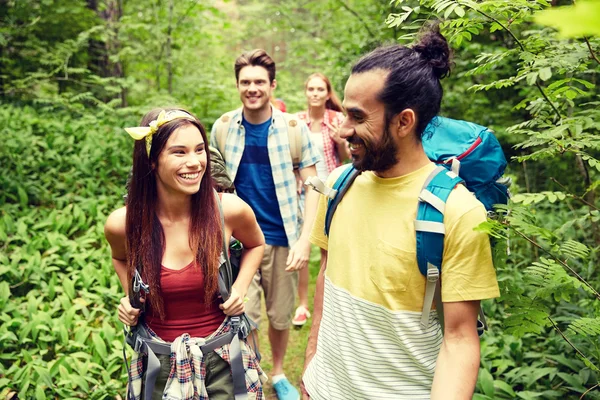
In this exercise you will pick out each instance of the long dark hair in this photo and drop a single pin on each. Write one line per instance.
(333, 103)
(414, 74)
(144, 232)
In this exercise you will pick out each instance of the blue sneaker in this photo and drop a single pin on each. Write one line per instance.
(285, 390)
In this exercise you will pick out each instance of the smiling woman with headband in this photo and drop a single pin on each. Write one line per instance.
(168, 240)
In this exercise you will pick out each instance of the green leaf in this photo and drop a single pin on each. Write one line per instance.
(505, 387)
(545, 73)
(449, 10)
(99, 345)
(39, 393)
(532, 78)
(487, 382)
(573, 381)
(4, 293)
(571, 94)
(459, 11)
(23, 198)
(528, 395)
(69, 288)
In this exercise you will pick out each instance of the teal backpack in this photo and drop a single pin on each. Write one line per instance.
(466, 153)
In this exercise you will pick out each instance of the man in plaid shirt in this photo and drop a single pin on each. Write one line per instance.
(258, 159)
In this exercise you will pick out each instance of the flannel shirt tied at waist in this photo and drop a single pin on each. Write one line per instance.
(187, 380)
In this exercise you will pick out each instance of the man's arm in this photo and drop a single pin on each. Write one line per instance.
(458, 362)
(300, 251)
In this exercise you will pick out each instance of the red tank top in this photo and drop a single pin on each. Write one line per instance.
(186, 309)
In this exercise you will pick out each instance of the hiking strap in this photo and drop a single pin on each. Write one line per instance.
(295, 138)
(341, 186)
(225, 279)
(430, 232)
(293, 130)
(238, 372)
(222, 130)
(455, 165)
(146, 345)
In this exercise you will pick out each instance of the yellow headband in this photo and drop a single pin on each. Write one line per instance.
(147, 132)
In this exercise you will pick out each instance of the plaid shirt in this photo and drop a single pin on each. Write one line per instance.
(280, 159)
(332, 159)
(187, 380)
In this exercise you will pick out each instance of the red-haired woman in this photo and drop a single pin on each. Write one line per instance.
(324, 118)
(169, 235)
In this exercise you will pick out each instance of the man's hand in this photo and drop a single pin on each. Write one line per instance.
(298, 256)
(127, 314)
(299, 182)
(234, 305)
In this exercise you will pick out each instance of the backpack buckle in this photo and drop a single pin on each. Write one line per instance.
(318, 185)
(236, 323)
(138, 344)
(138, 283)
(433, 274)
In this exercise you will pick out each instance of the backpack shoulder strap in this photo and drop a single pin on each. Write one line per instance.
(222, 128)
(295, 137)
(430, 232)
(225, 278)
(341, 186)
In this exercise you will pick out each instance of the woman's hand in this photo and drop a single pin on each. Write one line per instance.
(234, 305)
(334, 133)
(127, 314)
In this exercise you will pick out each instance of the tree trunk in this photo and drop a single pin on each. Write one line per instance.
(100, 52)
(169, 53)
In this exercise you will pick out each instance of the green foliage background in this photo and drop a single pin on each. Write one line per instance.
(74, 73)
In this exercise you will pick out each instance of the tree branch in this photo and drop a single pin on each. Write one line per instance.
(357, 15)
(567, 340)
(592, 54)
(561, 262)
(537, 84)
(589, 390)
(581, 199)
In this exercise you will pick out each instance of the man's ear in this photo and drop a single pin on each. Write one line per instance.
(274, 84)
(404, 123)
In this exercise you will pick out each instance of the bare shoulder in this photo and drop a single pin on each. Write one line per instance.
(233, 207)
(114, 228)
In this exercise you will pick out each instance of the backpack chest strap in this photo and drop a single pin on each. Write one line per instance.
(141, 342)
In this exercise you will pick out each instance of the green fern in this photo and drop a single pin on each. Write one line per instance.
(587, 327)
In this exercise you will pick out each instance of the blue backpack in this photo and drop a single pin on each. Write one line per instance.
(466, 153)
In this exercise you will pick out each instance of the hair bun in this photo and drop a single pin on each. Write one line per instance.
(433, 48)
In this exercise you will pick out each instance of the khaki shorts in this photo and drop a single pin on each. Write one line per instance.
(279, 287)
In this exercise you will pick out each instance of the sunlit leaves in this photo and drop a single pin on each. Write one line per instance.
(589, 327)
(577, 20)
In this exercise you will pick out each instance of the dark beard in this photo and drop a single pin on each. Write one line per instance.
(378, 157)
